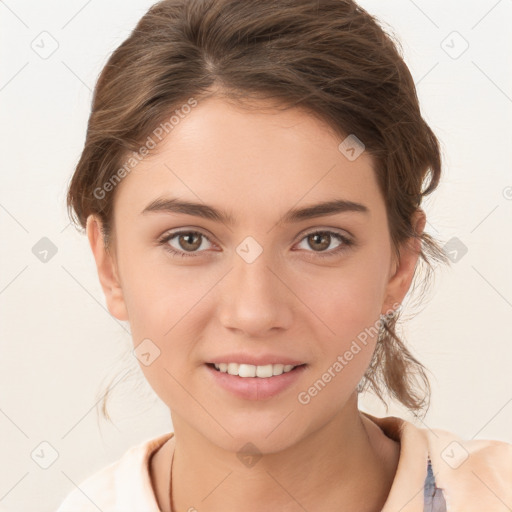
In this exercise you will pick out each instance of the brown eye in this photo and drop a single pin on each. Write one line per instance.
(186, 243)
(190, 241)
(320, 241)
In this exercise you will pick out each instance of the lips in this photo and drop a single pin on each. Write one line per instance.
(255, 388)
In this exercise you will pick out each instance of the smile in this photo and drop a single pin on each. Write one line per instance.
(254, 382)
(249, 370)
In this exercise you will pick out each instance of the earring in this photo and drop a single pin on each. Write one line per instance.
(384, 320)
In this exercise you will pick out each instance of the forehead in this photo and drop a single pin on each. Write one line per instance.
(251, 162)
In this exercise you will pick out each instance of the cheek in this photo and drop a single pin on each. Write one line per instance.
(158, 292)
(349, 307)
(168, 308)
(348, 300)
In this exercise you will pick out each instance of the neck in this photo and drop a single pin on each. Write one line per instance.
(347, 464)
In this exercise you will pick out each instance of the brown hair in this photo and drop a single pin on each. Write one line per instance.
(328, 57)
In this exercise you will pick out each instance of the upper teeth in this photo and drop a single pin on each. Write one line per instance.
(249, 370)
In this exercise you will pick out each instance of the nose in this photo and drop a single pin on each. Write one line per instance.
(255, 299)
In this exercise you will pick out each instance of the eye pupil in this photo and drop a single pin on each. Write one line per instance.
(186, 237)
(325, 236)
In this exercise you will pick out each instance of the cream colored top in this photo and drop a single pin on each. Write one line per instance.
(475, 475)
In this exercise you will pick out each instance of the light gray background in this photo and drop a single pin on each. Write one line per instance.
(60, 347)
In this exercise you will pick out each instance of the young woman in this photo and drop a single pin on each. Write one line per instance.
(251, 187)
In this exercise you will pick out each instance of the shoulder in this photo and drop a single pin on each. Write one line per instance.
(475, 474)
(123, 483)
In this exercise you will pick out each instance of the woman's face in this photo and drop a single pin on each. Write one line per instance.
(270, 283)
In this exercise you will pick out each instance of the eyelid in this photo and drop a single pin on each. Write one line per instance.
(325, 229)
(344, 237)
(300, 236)
(346, 240)
(170, 234)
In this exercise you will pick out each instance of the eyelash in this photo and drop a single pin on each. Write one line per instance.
(347, 243)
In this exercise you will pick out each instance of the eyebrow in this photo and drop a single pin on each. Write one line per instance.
(172, 205)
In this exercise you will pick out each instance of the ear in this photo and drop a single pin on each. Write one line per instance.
(107, 270)
(402, 271)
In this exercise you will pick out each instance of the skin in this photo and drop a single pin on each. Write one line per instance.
(257, 165)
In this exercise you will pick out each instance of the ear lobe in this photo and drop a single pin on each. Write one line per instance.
(400, 282)
(107, 271)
